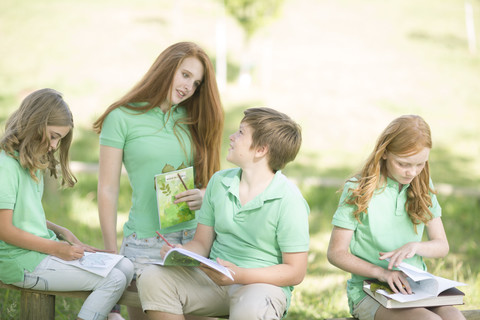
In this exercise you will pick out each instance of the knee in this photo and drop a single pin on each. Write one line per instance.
(126, 266)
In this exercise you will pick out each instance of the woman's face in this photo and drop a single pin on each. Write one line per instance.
(55, 134)
(187, 78)
(404, 169)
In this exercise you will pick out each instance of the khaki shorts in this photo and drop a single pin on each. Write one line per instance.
(366, 309)
(188, 290)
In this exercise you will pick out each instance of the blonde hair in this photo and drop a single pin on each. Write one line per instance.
(404, 136)
(205, 115)
(26, 133)
(277, 131)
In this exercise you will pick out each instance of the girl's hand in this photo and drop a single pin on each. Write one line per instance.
(72, 239)
(218, 277)
(68, 252)
(397, 281)
(406, 251)
(193, 198)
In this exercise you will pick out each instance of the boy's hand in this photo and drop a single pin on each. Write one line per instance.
(218, 277)
(165, 248)
(193, 198)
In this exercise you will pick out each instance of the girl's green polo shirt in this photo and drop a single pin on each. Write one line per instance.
(149, 141)
(256, 234)
(385, 228)
(20, 193)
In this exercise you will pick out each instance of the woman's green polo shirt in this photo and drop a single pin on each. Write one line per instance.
(149, 141)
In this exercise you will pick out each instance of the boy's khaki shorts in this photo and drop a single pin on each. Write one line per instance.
(188, 290)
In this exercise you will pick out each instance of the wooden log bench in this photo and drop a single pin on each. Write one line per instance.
(40, 305)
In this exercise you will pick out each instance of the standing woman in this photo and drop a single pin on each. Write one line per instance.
(37, 139)
(173, 116)
(381, 218)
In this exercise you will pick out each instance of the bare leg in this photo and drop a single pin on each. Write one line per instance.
(448, 313)
(408, 313)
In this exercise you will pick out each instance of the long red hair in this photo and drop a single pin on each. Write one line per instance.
(205, 116)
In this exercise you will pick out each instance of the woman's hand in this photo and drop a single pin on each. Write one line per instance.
(406, 251)
(397, 281)
(218, 277)
(193, 198)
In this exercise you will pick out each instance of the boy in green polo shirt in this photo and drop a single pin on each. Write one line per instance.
(254, 221)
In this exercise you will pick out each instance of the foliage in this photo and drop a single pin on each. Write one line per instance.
(253, 14)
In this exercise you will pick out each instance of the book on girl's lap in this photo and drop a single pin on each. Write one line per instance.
(186, 258)
(428, 290)
(100, 263)
(168, 184)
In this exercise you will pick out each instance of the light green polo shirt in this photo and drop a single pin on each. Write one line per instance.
(256, 234)
(149, 142)
(20, 193)
(385, 228)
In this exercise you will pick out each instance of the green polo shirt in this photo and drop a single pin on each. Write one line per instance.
(256, 234)
(20, 193)
(385, 228)
(149, 141)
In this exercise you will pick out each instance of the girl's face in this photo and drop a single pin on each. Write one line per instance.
(187, 78)
(404, 169)
(55, 134)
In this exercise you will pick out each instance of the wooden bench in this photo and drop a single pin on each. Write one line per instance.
(35, 304)
(468, 314)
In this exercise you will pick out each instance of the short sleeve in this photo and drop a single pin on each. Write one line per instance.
(343, 216)
(9, 186)
(114, 129)
(292, 232)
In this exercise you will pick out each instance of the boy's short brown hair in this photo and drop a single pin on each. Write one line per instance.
(277, 131)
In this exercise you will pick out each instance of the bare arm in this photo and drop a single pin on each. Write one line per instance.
(109, 171)
(436, 246)
(339, 255)
(20, 238)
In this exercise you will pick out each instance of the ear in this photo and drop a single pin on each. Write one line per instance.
(384, 155)
(261, 151)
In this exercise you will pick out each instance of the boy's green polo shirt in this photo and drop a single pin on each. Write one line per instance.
(20, 193)
(256, 234)
(385, 228)
(149, 141)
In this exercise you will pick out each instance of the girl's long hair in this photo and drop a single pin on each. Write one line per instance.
(404, 136)
(204, 109)
(26, 137)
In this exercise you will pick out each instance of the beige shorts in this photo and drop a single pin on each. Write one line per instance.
(366, 309)
(188, 290)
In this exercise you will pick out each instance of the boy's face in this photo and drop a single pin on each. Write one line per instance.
(240, 152)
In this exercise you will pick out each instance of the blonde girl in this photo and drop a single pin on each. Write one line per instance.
(38, 133)
(381, 218)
